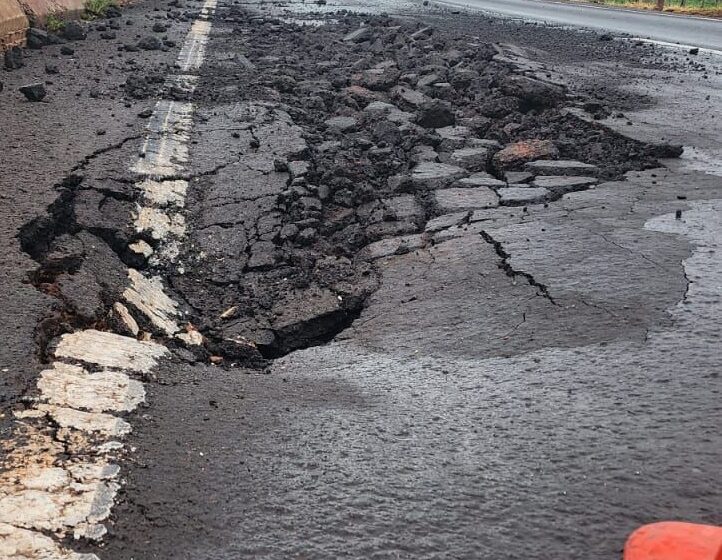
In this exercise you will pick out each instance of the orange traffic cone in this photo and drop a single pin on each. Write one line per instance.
(674, 540)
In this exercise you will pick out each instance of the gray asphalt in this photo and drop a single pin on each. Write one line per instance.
(695, 31)
(462, 415)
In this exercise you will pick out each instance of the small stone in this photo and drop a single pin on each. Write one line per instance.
(150, 44)
(67, 51)
(342, 123)
(14, 58)
(145, 113)
(410, 96)
(694, 50)
(51, 68)
(34, 92)
(38, 38)
(307, 236)
(380, 107)
(73, 31)
(159, 27)
(521, 152)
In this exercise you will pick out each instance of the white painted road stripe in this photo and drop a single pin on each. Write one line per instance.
(57, 479)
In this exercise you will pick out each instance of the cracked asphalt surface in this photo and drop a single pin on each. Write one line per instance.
(382, 375)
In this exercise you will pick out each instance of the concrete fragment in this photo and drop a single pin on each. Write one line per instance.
(393, 246)
(147, 295)
(560, 167)
(524, 151)
(126, 320)
(72, 386)
(481, 180)
(446, 221)
(562, 184)
(110, 350)
(429, 173)
(141, 247)
(456, 199)
(24, 544)
(518, 176)
(518, 196)
(474, 159)
(89, 422)
(453, 137)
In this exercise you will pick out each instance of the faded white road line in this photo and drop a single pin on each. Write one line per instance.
(58, 478)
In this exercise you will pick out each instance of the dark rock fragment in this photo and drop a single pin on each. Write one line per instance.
(73, 31)
(14, 58)
(532, 93)
(112, 12)
(34, 92)
(150, 44)
(435, 114)
(38, 38)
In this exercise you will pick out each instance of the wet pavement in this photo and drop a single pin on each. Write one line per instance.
(529, 381)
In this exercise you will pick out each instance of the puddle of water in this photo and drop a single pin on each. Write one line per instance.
(706, 161)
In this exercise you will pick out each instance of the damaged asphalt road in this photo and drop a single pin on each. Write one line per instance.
(387, 285)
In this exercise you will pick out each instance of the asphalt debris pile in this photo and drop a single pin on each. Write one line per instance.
(397, 124)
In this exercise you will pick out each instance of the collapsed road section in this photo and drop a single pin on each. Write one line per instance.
(351, 141)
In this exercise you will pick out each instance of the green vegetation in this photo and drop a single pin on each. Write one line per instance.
(97, 8)
(54, 23)
(704, 7)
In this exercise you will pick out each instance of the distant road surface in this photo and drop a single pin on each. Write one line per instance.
(686, 30)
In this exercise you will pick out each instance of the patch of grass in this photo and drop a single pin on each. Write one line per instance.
(95, 9)
(54, 23)
(701, 7)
